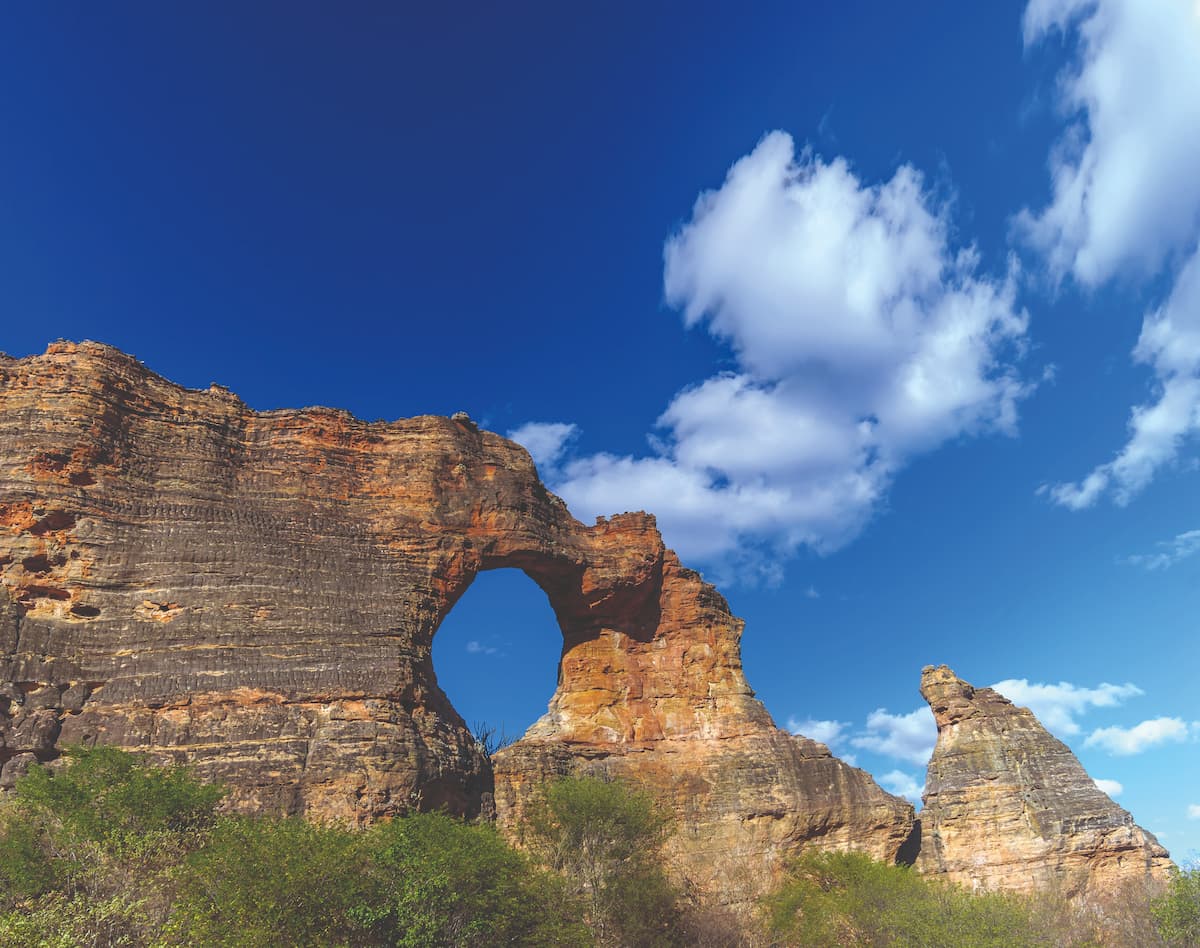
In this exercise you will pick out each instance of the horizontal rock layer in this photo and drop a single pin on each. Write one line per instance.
(258, 593)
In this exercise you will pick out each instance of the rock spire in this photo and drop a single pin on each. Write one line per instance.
(1008, 806)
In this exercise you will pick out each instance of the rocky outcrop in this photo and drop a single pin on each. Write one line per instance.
(671, 711)
(258, 593)
(1007, 806)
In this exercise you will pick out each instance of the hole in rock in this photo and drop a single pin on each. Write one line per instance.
(45, 592)
(496, 654)
(37, 564)
(55, 520)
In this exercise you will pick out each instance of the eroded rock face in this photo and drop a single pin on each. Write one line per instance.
(258, 593)
(672, 711)
(1008, 806)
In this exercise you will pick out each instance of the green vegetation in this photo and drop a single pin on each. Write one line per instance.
(87, 853)
(851, 899)
(424, 880)
(447, 882)
(1177, 911)
(270, 881)
(113, 851)
(606, 840)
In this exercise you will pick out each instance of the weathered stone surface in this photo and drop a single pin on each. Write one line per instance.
(740, 802)
(671, 709)
(1008, 806)
(258, 593)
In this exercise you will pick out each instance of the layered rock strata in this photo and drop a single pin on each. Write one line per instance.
(1008, 806)
(257, 593)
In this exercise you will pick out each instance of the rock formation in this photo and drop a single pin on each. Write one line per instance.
(1007, 806)
(258, 593)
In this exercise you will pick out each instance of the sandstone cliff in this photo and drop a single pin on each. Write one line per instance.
(1007, 806)
(258, 593)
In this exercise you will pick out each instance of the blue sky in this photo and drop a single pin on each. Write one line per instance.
(890, 313)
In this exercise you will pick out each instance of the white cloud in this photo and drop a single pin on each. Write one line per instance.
(1057, 706)
(478, 648)
(1193, 811)
(829, 733)
(909, 737)
(1124, 189)
(1126, 198)
(1112, 787)
(1170, 345)
(1126, 741)
(1180, 548)
(862, 339)
(544, 440)
(902, 785)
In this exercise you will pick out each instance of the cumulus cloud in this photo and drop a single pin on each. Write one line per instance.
(1193, 811)
(1124, 742)
(1112, 787)
(1124, 189)
(546, 441)
(1170, 345)
(1170, 552)
(829, 733)
(478, 648)
(861, 337)
(1126, 199)
(908, 737)
(902, 785)
(1057, 706)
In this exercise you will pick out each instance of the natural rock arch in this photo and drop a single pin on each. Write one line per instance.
(258, 593)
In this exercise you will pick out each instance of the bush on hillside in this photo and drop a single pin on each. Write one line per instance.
(112, 850)
(1177, 911)
(259, 882)
(443, 882)
(606, 838)
(851, 899)
(87, 849)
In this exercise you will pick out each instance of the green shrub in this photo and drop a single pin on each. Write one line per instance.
(111, 850)
(851, 899)
(1176, 912)
(423, 880)
(27, 866)
(261, 882)
(54, 921)
(87, 849)
(444, 882)
(606, 839)
(110, 796)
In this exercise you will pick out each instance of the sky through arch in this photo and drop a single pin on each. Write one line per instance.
(496, 654)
